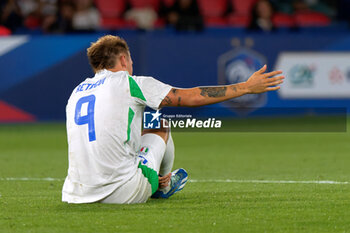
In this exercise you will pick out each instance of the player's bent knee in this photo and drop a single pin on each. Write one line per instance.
(163, 132)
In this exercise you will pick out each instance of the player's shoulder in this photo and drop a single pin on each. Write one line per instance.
(119, 74)
(142, 78)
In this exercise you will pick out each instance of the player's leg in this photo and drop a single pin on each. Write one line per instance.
(154, 143)
(156, 157)
(163, 163)
(167, 159)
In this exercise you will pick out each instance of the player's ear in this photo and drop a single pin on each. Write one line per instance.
(122, 60)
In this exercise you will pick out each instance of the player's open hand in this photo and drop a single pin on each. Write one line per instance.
(261, 82)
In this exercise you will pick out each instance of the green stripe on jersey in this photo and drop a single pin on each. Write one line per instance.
(135, 90)
(131, 115)
(151, 176)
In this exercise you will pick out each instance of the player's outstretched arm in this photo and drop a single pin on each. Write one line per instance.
(259, 82)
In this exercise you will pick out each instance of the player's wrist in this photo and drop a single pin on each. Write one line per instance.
(244, 86)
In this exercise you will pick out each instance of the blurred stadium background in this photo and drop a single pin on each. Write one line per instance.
(184, 43)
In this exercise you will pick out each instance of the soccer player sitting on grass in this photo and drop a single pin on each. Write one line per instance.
(111, 160)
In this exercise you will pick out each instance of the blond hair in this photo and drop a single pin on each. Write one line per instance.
(104, 52)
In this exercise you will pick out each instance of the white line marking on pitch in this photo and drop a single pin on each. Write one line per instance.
(203, 181)
(31, 179)
(271, 181)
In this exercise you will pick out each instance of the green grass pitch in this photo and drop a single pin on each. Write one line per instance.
(40, 150)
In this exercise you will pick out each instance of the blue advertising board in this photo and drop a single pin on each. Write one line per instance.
(39, 72)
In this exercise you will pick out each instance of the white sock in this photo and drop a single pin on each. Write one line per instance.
(168, 158)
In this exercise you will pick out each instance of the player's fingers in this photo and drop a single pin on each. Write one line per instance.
(273, 73)
(262, 70)
(165, 178)
(275, 83)
(163, 185)
(275, 78)
(164, 182)
(273, 88)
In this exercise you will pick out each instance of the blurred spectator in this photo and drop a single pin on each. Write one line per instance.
(10, 15)
(28, 6)
(261, 17)
(65, 17)
(38, 12)
(31, 12)
(144, 18)
(62, 21)
(48, 14)
(184, 15)
(86, 16)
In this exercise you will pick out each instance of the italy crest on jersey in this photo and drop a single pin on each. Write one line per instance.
(144, 150)
(142, 153)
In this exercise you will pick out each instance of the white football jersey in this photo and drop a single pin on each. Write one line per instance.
(104, 124)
